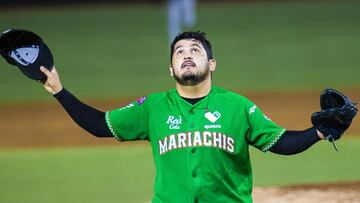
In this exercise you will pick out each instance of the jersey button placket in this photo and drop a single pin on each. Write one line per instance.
(192, 112)
(192, 126)
(193, 158)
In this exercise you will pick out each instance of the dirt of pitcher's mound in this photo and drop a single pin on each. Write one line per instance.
(329, 193)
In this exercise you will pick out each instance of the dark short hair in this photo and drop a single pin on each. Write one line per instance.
(199, 36)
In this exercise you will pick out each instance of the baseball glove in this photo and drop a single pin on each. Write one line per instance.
(336, 115)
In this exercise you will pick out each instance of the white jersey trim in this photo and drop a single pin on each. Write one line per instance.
(274, 141)
(108, 122)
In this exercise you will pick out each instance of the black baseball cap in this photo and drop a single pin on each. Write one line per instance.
(27, 51)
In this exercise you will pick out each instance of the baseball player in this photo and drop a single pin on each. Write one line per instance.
(200, 134)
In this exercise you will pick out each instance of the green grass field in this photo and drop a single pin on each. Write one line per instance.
(122, 51)
(125, 173)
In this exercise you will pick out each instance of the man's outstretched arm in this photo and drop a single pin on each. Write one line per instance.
(89, 118)
(294, 142)
(334, 118)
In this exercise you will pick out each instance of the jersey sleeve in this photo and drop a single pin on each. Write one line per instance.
(129, 122)
(264, 133)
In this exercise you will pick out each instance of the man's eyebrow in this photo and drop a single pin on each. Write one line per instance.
(177, 47)
(197, 45)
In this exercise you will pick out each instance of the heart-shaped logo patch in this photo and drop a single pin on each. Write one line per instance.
(212, 117)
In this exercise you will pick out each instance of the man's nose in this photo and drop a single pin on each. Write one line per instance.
(187, 57)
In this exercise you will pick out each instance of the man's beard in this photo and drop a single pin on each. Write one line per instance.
(191, 78)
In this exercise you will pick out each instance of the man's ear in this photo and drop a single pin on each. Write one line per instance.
(171, 71)
(212, 64)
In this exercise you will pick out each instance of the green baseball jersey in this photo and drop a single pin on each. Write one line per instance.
(201, 151)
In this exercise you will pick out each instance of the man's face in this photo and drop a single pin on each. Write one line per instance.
(190, 65)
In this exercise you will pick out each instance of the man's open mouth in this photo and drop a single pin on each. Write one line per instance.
(188, 64)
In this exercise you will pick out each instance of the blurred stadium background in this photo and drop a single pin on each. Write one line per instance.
(280, 54)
